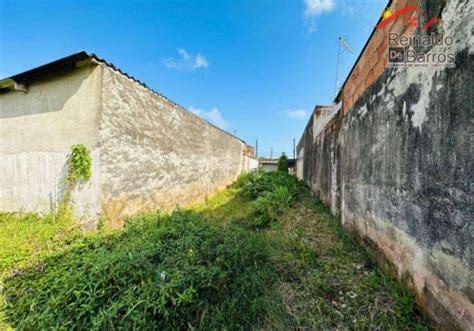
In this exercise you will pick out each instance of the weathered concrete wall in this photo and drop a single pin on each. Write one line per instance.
(156, 155)
(398, 170)
(37, 129)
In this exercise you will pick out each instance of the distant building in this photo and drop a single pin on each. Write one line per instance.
(272, 165)
(268, 164)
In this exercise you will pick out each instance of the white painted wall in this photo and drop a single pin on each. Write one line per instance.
(253, 164)
(37, 129)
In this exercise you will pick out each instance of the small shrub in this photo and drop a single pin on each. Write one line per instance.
(283, 163)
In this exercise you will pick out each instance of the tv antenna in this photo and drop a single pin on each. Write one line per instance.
(343, 45)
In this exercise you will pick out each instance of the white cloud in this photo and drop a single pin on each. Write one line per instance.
(186, 61)
(362, 7)
(314, 8)
(317, 7)
(213, 116)
(297, 113)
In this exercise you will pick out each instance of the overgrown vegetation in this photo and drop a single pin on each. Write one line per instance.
(254, 185)
(167, 272)
(262, 254)
(270, 194)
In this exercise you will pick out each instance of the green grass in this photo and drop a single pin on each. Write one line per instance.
(261, 254)
(225, 207)
(161, 272)
(26, 239)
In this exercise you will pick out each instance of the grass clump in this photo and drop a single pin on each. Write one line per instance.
(161, 272)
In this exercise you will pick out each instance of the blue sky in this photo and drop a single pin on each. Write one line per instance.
(256, 68)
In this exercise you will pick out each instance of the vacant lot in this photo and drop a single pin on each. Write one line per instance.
(262, 254)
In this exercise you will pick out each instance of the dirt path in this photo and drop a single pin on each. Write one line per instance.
(325, 279)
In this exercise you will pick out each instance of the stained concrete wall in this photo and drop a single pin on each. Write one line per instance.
(398, 170)
(37, 130)
(155, 154)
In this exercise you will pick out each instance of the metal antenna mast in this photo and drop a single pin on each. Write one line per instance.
(343, 45)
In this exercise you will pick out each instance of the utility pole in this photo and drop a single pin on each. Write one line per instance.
(256, 148)
(271, 153)
(294, 149)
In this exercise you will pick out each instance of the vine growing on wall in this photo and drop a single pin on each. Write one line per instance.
(79, 164)
(79, 169)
